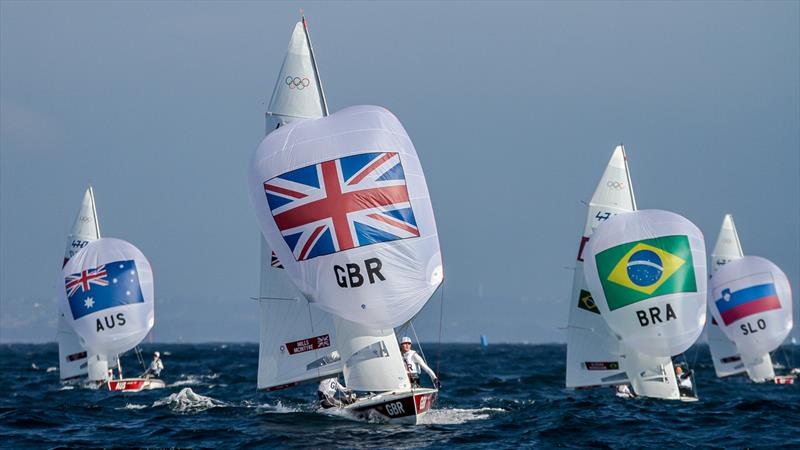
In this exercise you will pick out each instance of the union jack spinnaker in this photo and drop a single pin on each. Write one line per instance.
(647, 273)
(343, 202)
(107, 296)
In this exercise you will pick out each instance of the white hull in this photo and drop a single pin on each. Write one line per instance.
(394, 407)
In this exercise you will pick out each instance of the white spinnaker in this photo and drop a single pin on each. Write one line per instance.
(371, 357)
(286, 316)
(751, 300)
(592, 350)
(297, 339)
(724, 354)
(107, 296)
(410, 267)
(73, 362)
(647, 273)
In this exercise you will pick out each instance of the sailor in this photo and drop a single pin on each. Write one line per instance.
(327, 390)
(156, 366)
(624, 391)
(684, 381)
(414, 362)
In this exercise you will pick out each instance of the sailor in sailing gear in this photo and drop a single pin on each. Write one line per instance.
(624, 391)
(684, 381)
(327, 390)
(156, 366)
(413, 362)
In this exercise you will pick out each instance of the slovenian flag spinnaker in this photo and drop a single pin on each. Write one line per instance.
(108, 296)
(343, 202)
(647, 274)
(751, 300)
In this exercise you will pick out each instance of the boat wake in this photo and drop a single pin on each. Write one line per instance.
(457, 416)
(187, 401)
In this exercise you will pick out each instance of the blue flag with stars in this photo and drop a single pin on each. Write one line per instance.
(106, 286)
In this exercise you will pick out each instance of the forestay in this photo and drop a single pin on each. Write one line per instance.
(343, 202)
(108, 296)
(592, 350)
(73, 360)
(647, 273)
(750, 298)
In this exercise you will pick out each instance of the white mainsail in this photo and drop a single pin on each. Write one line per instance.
(298, 340)
(592, 350)
(373, 362)
(595, 357)
(73, 360)
(724, 354)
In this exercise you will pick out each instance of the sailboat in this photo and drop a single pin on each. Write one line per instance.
(74, 363)
(726, 358)
(595, 356)
(751, 304)
(343, 202)
(98, 319)
(297, 342)
(646, 270)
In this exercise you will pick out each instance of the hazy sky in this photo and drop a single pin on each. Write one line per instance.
(514, 109)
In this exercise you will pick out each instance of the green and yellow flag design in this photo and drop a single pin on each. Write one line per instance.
(636, 271)
(585, 301)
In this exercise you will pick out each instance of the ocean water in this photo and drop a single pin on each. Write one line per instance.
(505, 396)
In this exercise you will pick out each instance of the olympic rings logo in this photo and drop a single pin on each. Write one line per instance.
(616, 184)
(297, 82)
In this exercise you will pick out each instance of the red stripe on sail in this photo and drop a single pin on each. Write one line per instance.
(750, 308)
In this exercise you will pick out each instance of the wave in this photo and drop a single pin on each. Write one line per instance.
(188, 401)
(457, 416)
(133, 406)
(193, 380)
(51, 369)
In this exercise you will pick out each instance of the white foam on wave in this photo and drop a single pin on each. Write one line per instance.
(67, 388)
(188, 401)
(133, 406)
(51, 369)
(193, 380)
(457, 416)
(277, 408)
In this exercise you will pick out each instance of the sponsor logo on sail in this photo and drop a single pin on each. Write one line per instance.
(601, 365)
(636, 271)
(307, 345)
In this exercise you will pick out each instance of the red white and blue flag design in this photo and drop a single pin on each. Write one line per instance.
(737, 304)
(342, 204)
(106, 286)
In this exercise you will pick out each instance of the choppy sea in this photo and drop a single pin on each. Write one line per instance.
(503, 396)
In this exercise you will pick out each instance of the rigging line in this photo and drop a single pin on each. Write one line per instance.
(419, 344)
(439, 345)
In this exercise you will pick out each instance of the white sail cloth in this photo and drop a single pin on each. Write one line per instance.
(647, 273)
(750, 298)
(108, 296)
(343, 202)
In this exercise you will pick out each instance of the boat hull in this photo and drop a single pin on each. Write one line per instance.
(134, 384)
(394, 407)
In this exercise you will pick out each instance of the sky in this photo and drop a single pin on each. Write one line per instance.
(514, 109)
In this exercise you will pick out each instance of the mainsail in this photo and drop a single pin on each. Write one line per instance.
(595, 357)
(726, 358)
(343, 202)
(73, 360)
(298, 340)
(592, 350)
(750, 299)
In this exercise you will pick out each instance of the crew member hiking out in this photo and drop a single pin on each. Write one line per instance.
(327, 390)
(156, 366)
(413, 363)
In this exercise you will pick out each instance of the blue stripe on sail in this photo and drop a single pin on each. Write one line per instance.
(369, 235)
(403, 215)
(305, 175)
(352, 164)
(745, 295)
(395, 173)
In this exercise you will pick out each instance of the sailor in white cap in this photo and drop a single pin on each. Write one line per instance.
(156, 366)
(414, 362)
